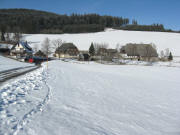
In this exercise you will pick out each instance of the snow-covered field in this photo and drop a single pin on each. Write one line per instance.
(162, 40)
(7, 63)
(92, 99)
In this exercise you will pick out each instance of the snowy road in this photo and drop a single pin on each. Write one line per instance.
(92, 99)
(8, 74)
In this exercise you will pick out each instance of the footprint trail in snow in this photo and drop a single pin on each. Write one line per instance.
(22, 99)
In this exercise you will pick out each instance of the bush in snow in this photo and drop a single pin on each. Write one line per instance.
(170, 57)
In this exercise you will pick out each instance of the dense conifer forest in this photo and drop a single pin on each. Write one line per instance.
(35, 21)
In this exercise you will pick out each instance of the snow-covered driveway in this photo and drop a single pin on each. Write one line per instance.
(93, 99)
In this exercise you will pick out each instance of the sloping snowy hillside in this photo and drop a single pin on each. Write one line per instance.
(7, 63)
(92, 99)
(162, 40)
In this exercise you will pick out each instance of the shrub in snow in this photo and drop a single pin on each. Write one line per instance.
(170, 57)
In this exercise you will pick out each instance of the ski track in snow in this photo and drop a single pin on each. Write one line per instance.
(14, 99)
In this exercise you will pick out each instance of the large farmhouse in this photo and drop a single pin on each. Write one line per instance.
(140, 51)
(67, 50)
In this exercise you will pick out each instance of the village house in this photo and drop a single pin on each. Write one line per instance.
(145, 52)
(21, 50)
(107, 54)
(5, 48)
(67, 50)
(111, 52)
(102, 52)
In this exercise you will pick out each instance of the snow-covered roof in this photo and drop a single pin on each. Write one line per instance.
(25, 46)
(5, 46)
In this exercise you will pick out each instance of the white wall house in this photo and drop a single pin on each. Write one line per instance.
(21, 50)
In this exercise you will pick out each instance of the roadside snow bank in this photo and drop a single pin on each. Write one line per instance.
(21, 100)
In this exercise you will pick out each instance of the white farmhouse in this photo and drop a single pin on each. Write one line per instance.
(21, 50)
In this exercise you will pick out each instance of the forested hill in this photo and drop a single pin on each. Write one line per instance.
(35, 21)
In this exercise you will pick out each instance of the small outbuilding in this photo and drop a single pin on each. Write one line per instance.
(84, 56)
(5, 48)
(40, 54)
(111, 52)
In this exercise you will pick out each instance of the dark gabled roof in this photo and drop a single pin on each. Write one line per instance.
(65, 46)
(102, 50)
(40, 53)
(142, 50)
(26, 46)
(111, 50)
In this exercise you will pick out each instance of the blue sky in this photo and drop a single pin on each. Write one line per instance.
(144, 11)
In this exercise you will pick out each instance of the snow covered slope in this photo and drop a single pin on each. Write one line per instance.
(92, 99)
(7, 63)
(112, 37)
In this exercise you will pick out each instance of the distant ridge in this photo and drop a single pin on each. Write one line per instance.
(32, 21)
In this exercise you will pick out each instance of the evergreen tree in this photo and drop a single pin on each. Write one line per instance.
(170, 57)
(92, 50)
(51, 23)
(2, 36)
(2, 30)
(46, 22)
(134, 22)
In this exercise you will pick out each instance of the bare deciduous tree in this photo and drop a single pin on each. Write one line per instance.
(56, 45)
(118, 47)
(97, 46)
(8, 37)
(167, 52)
(154, 46)
(35, 48)
(131, 50)
(149, 51)
(162, 54)
(3, 31)
(17, 37)
(46, 47)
